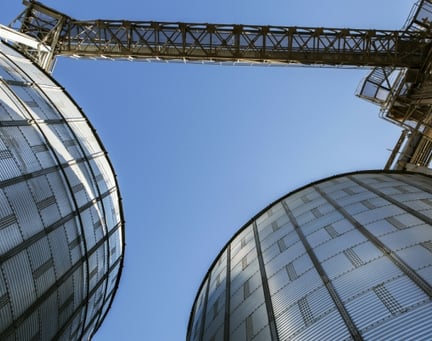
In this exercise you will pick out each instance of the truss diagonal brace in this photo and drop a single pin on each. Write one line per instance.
(195, 42)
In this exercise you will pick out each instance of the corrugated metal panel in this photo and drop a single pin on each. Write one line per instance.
(46, 158)
(281, 223)
(404, 238)
(408, 220)
(214, 321)
(5, 306)
(318, 237)
(73, 233)
(271, 215)
(367, 251)
(342, 226)
(263, 334)
(366, 309)
(237, 285)
(406, 292)
(71, 144)
(370, 216)
(34, 139)
(305, 218)
(295, 290)
(329, 327)
(302, 264)
(114, 242)
(49, 214)
(17, 270)
(238, 275)
(80, 285)
(216, 293)
(320, 303)
(77, 325)
(278, 280)
(380, 227)
(33, 72)
(260, 324)
(91, 311)
(105, 170)
(289, 322)
(65, 301)
(65, 335)
(293, 252)
(56, 144)
(337, 245)
(10, 234)
(416, 256)
(87, 221)
(247, 307)
(96, 300)
(57, 95)
(302, 212)
(36, 103)
(19, 149)
(112, 277)
(83, 177)
(93, 269)
(86, 335)
(198, 315)
(7, 72)
(49, 309)
(42, 265)
(29, 329)
(263, 217)
(285, 231)
(63, 199)
(13, 108)
(96, 167)
(239, 333)
(335, 185)
(349, 200)
(355, 208)
(100, 256)
(419, 202)
(378, 180)
(337, 265)
(238, 279)
(424, 183)
(426, 274)
(107, 299)
(237, 247)
(401, 192)
(8, 167)
(412, 325)
(111, 219)
(270, 256)
(378, 202)
(86, 137)
(361, 279)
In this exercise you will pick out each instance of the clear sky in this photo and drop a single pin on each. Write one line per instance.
(199, 150)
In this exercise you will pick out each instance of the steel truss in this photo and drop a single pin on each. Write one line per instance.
(400, 81)
(149, 40)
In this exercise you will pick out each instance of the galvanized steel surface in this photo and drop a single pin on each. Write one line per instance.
(61, 221)
(346, 257)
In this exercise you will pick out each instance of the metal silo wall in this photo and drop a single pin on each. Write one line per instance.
(61, 224)
(348, 257)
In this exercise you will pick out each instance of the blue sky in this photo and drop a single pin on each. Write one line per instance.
(199, 150)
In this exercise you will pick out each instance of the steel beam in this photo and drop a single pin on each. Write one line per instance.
(220, 43)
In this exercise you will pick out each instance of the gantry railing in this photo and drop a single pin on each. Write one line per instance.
(202, 42)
